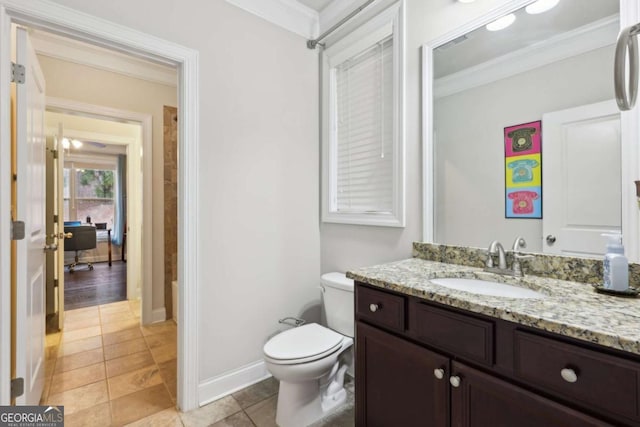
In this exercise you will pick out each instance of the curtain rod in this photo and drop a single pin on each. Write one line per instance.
(311, 44)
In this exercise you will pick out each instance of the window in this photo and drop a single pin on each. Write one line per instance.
(89, 189)
(363, 147)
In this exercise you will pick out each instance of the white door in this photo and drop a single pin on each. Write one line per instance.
(30, 295)
(582, 179)
(59, 208)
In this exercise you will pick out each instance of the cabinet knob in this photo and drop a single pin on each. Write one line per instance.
(455, 381)
(374, 307)
(569, 375)
(438, 373)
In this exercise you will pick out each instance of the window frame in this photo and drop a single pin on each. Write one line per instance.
(388, 22)
(87, 161)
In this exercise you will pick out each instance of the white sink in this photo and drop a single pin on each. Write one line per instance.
(486, 287)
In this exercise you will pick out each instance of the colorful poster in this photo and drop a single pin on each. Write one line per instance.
(523, 170)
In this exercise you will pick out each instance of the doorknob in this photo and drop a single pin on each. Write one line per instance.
(551, 239)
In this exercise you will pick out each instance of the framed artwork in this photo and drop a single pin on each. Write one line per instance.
(523, 170)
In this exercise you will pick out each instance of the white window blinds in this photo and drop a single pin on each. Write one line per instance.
(364, 133)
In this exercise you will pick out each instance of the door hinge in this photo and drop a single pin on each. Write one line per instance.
(17, 230)
(55, 153)
(17, 387)
(17, 73)
(55, 283)
(55, 219)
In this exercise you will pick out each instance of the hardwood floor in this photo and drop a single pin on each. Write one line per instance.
(102, 285)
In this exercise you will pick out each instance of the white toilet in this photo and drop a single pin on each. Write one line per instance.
(310, 361)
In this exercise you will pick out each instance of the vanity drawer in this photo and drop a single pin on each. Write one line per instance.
(380, 308)
(462, 335)
(590, 378)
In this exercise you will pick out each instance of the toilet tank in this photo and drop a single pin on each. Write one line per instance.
(338, 302)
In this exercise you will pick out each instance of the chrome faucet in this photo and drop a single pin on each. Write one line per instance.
(516, 267)
(496, 248)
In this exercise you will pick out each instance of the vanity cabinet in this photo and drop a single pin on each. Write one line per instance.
(439, 366)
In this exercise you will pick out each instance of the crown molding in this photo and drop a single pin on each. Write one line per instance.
(583, 39)
(67, 49)
(288, 14)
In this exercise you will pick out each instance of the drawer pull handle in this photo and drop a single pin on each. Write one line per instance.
(374, 307)
(438, 373)
(569, 375)
(455, 381)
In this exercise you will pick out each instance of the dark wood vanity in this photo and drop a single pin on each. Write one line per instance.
(420, 363)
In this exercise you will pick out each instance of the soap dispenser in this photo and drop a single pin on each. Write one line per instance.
(615, 265)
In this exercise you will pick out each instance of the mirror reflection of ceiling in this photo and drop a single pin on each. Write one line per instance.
(482, 45)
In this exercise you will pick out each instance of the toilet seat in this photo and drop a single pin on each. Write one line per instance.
(303, 344)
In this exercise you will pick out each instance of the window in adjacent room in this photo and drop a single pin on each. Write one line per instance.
(363, 147)
(89, 189)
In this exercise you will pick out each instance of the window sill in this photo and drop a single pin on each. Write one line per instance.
(370, 219)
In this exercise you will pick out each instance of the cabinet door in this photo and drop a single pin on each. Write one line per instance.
(481, 400)
(396, 384)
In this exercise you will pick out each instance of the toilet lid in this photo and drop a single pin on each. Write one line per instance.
(302, 342)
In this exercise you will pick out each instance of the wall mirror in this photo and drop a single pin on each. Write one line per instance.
(522, 135)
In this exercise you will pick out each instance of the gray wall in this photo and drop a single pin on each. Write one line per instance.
(470, 149)
(259, 247)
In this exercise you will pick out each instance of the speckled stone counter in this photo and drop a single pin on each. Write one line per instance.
(570, 308)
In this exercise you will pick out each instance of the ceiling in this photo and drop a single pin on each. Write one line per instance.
(318, 5)
(482, 45)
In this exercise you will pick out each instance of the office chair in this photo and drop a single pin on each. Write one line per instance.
(83, 238)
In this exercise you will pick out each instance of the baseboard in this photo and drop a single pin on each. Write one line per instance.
(158, 315)
(232, 381)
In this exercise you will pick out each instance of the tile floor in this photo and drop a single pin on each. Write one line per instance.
(107, 370)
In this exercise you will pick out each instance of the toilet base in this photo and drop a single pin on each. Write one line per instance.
(302, 404)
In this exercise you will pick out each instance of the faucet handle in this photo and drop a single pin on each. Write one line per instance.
(518, 243)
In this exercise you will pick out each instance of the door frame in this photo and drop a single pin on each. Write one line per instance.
(138, 214)
(630, 129)
(49, 16)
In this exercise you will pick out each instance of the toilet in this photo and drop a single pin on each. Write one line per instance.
(310, 361)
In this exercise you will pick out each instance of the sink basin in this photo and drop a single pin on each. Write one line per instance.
(486, 287)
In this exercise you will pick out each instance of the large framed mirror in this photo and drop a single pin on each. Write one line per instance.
(547, 78)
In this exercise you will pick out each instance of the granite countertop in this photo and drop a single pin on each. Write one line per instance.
(570, 308)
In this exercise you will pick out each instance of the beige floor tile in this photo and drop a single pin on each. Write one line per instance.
(343, 416)
(88, 313)
(77, 377)
(125, 348)
(79, 334)
(238, 420)
(116, 317)
(159, 328)
(156, 340)
(211, 413)
(167, 418)
(168, 371)
(78, 346)
(80, 398)
(141, 404)
(263, 414)
(134, 381)
(79, 360)
(257, 392)
(95, 416)
(121, 336)
(115, 307)
(164, 353)
(111, 327)
(74, 325)
(125, 364)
